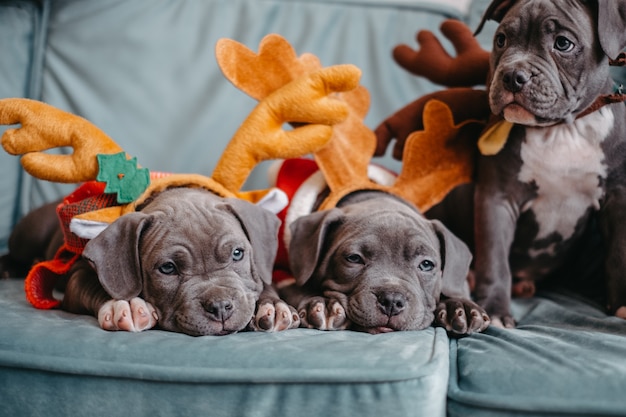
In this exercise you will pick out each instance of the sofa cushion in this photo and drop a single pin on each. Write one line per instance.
(58, 364)
(565, 358)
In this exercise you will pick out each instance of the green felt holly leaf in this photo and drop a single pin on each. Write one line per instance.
(122, 176)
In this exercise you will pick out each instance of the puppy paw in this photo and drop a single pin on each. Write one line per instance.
(323, 314)
(503, 321)
(274, 316)
(461, 317)
(135, 315)
(523, 289)
(621, 312)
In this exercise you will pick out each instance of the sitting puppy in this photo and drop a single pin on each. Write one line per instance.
(188, 261)
(564, 158)
(374, 263)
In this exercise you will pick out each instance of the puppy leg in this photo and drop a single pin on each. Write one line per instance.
(613, 226)
(85, 295)
(35, 238)
(273, 314)
(461, 317)
(495, 222)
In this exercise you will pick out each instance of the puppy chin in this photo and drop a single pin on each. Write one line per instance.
(379, 330)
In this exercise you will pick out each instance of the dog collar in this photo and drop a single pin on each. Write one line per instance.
(495, 136)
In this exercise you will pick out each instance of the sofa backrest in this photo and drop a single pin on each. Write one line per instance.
(144, 71)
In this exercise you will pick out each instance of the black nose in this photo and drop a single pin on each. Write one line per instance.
(391, 303)
(219, 310)
(514, 80)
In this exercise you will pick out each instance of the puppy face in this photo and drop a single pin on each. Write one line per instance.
(381, 260)
(547, 63)
(196, 258)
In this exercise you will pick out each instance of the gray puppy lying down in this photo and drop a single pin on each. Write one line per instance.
(374, 263)
(187, 261)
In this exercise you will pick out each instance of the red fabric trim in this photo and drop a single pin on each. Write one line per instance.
(44, 276)
(291, 175)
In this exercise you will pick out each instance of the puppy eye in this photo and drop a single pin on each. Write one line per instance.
(237, 254)
(354, 258)
(426, 265)
(168, 268)
(500, 40)
(562, 44)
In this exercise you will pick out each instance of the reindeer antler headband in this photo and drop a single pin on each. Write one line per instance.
(305, 100)
(432, 164)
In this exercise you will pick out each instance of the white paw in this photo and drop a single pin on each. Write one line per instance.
(135, 315)
(275, 317)
(323, 314)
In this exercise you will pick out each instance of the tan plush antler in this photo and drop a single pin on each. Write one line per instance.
(344, 160)
(448, 146)
(260, 74)
(306, 102)
(435, 159)
(45, 127)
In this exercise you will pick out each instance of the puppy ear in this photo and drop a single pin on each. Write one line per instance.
(612, 26)
(456, 258)
(114, 254)
(308, 234)
(496, 11)
(261, 228)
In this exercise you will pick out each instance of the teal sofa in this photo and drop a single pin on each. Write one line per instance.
(144, 71)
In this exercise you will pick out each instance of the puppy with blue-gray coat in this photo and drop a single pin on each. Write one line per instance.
(565, 157)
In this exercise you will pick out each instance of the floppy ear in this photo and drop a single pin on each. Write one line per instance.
(456, 258)
(496, 11)
(308, 234)
(261, 228)
(612, 26)
(114, 254)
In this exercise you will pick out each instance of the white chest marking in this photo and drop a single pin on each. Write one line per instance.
(565, 162)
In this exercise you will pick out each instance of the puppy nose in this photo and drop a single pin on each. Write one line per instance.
(219, 310)
(391, 303)
(514, 80)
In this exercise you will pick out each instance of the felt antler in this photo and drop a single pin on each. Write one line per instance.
(260, 74)
(260, 137)
(434, 159)
(44, 127)
(344, 160)
(305, 102)
(449, 149)
(446, 124)
(470, 66)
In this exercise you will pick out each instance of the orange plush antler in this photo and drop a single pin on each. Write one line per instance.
(44, 127)
(429, 171)
(305, 102)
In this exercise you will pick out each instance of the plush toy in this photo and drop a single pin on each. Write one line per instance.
(116, 185)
